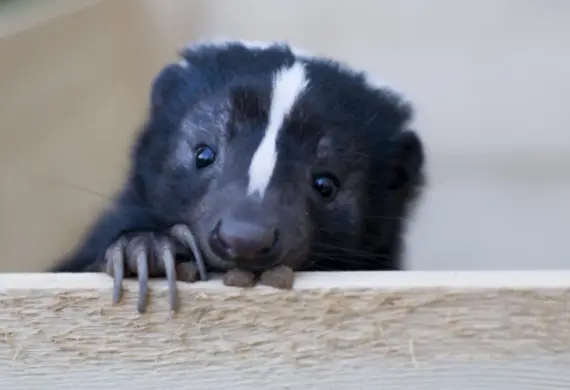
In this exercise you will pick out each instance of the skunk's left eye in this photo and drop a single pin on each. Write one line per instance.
(326, 185)
(204, 156)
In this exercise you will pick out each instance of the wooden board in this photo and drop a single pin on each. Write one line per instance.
(395, 330)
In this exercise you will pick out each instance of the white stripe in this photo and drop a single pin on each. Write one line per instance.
(288, 84)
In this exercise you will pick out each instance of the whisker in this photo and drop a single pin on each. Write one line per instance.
(325, 246)
(327, 263)
(347, 256)
(383, 217)
(348, 259)
(73, 186)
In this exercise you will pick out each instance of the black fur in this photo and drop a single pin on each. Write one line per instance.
(341, 125)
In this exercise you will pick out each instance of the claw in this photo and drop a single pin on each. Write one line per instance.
(185, 236)
(164, 254)
(118, 272)
(115, 265)
(137, 258)
(142, 271)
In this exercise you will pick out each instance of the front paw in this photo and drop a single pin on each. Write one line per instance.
(147, 254)
(280, 276)
(239, 278)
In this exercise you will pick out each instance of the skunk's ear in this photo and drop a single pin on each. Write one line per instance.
(166, 85)
(406, 160)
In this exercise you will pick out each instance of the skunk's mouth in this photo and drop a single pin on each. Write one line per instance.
(216, 260)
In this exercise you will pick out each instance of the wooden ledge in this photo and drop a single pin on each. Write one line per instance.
(389, 330)
(380, 281)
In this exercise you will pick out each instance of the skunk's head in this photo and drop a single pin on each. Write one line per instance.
(272, 156)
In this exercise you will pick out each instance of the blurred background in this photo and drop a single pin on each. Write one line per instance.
(490, 78)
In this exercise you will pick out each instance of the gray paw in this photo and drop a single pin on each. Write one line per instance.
(147, 255)
(239, 278)
(281, 277)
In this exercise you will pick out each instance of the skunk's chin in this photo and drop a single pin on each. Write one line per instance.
(219, 264)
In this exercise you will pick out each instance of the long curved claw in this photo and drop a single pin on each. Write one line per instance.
(137, 259)
(118, 276)
(165, 256)
(186, 238)
(142, 271)
(115, 265)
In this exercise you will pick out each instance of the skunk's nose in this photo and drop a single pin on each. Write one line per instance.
(243, 241)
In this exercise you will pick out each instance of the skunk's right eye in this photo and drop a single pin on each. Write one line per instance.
(326, 185)
(204, 156)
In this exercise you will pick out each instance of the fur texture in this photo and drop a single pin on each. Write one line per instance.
(249, 139)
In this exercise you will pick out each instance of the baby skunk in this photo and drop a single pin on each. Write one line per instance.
(254, 157)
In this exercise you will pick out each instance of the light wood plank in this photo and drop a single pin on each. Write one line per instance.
(395, 330)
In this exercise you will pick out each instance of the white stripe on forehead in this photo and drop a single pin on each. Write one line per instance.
(288, 85)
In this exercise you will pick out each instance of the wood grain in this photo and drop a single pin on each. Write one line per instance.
(430, 330)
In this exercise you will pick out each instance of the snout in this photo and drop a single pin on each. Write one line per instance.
(249, 244)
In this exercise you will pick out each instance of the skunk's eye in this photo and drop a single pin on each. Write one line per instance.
(326, 185)
(204, 156)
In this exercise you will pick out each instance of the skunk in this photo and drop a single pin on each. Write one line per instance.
(256, 155)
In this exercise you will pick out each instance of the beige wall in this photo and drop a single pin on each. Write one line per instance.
(71, 91)
(490, 80)
(477, 69)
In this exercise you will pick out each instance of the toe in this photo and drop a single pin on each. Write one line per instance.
(239, 278)
(279, 277)
(187, 272)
